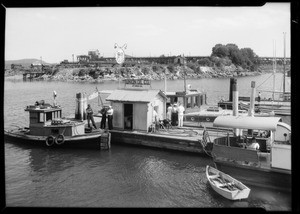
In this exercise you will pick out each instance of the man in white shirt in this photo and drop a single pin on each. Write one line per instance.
(169, 113)
(109, 114)
(180, 110)
(253, 145)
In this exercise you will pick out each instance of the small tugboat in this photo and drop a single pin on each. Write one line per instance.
(47, 128)
(226, 185)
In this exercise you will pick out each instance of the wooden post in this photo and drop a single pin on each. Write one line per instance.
(84, 106)
(105, 140)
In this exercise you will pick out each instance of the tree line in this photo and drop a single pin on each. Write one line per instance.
(225, 55)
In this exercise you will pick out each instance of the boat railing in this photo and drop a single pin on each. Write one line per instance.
(228, 141)
(237, 142)
(227, 153)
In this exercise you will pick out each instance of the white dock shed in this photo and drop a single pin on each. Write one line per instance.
(133, 108)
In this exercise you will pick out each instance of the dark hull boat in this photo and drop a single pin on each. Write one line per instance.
(48, 129)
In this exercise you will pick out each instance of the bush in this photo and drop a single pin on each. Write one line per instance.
(192, 66)
(82, 72)
(171, 68)
(205, 62)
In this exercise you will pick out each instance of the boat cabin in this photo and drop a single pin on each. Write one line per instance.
(45, 120)
(276, 142)
(190, 98)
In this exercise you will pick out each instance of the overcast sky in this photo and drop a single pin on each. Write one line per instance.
(56, 33)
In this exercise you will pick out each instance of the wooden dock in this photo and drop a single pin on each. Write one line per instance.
(186, 139)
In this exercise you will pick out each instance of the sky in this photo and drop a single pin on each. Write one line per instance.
(55, 34)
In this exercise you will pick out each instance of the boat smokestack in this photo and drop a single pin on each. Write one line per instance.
(230, 89)
(235, 97)
(235, 104)
(252, 99)
(81, 105)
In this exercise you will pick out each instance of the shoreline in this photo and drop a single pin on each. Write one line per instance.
(144, 72)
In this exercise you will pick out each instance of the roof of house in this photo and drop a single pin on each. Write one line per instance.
(134, 95)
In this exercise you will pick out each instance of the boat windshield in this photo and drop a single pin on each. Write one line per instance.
(213, 108)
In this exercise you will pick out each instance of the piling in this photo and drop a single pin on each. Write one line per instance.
(105, 140)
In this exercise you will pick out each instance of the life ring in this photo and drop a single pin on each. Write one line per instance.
(207, 119)
(50, 140)
(192, 118)
(60, 139)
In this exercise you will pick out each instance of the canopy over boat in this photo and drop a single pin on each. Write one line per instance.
(247, 122)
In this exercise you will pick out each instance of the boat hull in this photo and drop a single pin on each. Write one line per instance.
(234, 194)
(89, 140)
(257, 176)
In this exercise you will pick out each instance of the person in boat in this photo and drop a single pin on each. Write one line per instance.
(103, 118)
(90, 116)
(110, 113)
(174, 114)
(180, 110)
(54, 98)
(254, 145)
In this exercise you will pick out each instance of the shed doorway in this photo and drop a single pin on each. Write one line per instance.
(128, 116)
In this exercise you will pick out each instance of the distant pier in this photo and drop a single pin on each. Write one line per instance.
(30, 75)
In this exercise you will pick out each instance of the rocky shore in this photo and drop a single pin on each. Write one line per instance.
(151, 72)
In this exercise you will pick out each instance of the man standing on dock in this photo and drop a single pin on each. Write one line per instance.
(103, 118)
(180, 110)
(110, 113)
(90, 116)
(174, 115)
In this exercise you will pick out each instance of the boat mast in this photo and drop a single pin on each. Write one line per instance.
(274, 67)
(284, 33)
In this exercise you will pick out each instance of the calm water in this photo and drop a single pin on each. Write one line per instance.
(125, 176)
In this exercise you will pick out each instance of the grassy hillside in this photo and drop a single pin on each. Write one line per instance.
(23, 62)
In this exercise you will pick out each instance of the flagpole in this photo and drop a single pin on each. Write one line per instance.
(284, 64)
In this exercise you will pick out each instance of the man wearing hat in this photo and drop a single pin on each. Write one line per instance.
(89, 112)
(109, 114)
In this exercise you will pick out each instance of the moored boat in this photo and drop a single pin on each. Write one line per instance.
(47, 128)
(226, 185)
(268, 166)
(206, 116)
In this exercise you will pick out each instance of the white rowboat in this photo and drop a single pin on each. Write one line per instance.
(225, 185)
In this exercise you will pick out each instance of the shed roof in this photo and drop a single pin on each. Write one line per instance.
(134, 95)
